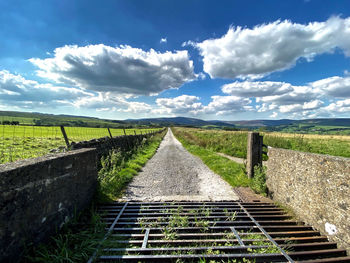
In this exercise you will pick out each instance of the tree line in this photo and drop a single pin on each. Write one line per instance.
(10, 122)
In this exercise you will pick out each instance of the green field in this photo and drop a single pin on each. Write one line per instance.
(234, 143)
(21, 142)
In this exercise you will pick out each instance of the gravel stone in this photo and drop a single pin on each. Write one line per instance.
(173, 174)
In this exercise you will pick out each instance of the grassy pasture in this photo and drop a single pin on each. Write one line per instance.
(21, 142)
(21, 120)
(234, 143)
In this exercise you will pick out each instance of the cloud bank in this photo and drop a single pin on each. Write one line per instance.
(259, 51)
(305, 101)
(123, 69)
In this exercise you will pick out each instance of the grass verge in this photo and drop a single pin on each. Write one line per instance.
(232, 172)
(119, 168)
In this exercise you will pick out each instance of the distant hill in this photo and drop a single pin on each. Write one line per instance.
(179, 121)
(320, 122)
(321, 126)
(35, 118)
(261, 123)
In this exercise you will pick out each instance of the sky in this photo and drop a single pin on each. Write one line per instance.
(213, 60)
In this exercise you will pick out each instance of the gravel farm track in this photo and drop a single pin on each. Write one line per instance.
(173, 174)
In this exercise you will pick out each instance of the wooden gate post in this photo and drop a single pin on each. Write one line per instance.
(254, 152)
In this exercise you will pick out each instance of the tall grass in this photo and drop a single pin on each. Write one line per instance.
(118, 168)
(75, 242)
(320, 144)
(235, 143)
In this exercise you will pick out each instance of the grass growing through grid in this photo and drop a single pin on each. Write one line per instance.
(21, 142)
(79, 238)
(173, 220)
(234, 143)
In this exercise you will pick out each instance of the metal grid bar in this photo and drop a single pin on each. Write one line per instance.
(93, 257)
(189, 231)
(144, 243)
(267, 235)
(237, 236)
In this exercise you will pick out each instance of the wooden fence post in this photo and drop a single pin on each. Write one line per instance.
(124, 132)
(254, 152)
(110, 134)
(65, 136)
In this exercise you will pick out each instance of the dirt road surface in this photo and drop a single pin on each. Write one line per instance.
(173, 174)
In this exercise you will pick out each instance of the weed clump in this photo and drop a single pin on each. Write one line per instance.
(258, 182)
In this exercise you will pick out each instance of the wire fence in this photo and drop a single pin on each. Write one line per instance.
(21, 142)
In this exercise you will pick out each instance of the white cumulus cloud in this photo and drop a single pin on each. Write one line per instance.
(338, 87)
(15, 90)
(184, 104)
(122, 69)
(341, 106)
(224, 105)
(259, 51)
(109, 102)
(191, 106)
(257, 88)
(312, 105)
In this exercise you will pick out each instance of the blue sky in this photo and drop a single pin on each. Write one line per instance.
(228, 60)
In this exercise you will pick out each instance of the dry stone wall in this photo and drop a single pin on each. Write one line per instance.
(39, 195)
(316, 187)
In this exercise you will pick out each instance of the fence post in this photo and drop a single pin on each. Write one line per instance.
(254, 152)
(65, 136)
(110, 134)
(135, 132)
(124, 132)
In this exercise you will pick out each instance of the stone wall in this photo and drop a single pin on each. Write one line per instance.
(39, 195)
(316, 187)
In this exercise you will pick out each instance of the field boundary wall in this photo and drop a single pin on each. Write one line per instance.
(316, 187)
(38, 195)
